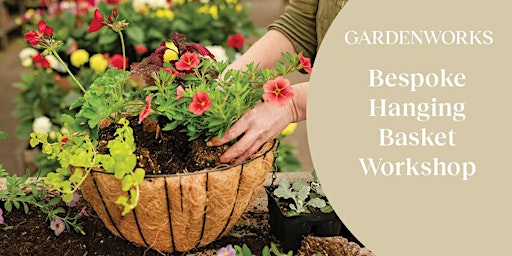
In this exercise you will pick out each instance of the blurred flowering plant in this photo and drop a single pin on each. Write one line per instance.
(181, 86)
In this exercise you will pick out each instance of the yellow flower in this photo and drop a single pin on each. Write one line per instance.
(98, 63)
(289, 129)
(203, 9)
(231, 1)
(214, 12)
(238, 8)
(171, 53)
(178, 2)
(144, 9)
(79, 57)
(164, 13)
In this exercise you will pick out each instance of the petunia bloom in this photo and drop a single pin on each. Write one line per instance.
(2, 216)
(188, 61)
(33, 37)
(227, 251)
(277, 91)
(179, 92)
(145, 112)
(305, 63)
(40, 61)
(57, 225)
(76, 198)
(200, 103)
(174, 72)
(97, 22)
(235, 41)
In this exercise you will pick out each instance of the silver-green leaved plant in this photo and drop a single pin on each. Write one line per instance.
(306, 196)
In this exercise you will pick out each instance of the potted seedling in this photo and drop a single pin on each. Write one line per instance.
(299, 209)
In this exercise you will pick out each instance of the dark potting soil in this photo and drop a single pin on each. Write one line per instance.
(30, 234)
(166, 152)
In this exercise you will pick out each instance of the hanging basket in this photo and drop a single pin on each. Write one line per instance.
(180, 212)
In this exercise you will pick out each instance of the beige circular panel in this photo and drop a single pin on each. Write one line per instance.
(410, 121)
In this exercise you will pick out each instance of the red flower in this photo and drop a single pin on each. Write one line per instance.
(236, 41)
(179, 92)
(305, 63)
(188, 61)
(97, 22)
(63, 142)
(277, 91)
(116, 61)
(174, 72)
(200, 103)
(145, 112)
(141, 49)
(39, 61)
(112, 1)
(33, 37)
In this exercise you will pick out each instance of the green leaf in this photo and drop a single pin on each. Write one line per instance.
(317, 202)
(135, 33)
(3, 135)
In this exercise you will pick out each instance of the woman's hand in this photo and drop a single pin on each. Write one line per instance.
(260, 124)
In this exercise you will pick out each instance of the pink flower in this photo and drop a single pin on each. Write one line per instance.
(57, 225)
(97, 22)
(200, 103)
(84, 212)
(33, 37)
(112, 1)
(76, 198)
(39, 61)
(116, 61)
(174, 72)
(235, 41)
(179, 92)
(305, 63)
(145, 112)
(141, 49)
(227, 251)
(1, 216)
(188, 61)
(277, 91)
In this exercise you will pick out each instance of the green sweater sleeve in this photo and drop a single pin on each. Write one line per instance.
(298, 24)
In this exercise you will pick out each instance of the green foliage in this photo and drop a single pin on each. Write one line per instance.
(304, 195)
(3, 135)
(80, 153)
(21, 192)
(244, 250)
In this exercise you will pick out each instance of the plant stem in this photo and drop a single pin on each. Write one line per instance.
(69, 71)
(123, 49)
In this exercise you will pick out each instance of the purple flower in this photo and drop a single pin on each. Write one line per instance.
(76, 198)
(1, 216)
(227, 251)
(84, 212)
(57, 225)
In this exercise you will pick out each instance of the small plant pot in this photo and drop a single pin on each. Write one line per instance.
(291, 230)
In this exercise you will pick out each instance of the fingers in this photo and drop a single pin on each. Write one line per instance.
(243, 149)
(232, 133)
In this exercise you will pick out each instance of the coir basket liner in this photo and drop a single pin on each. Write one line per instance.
(182, 211)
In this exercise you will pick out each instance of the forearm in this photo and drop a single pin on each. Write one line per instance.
(266, 51)
(299, 102)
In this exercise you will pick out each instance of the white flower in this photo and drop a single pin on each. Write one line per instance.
(137, 5)
(42, 125)
(204, 1)
(55, 64)
(218, 51)
(26, 56)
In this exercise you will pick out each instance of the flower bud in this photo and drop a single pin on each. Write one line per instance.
(115, 13)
